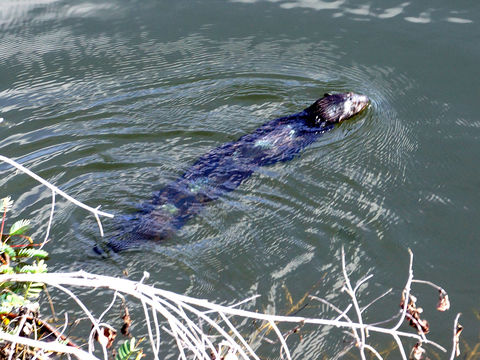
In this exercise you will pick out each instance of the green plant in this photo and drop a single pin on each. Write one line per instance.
(18, 255)
(19, 300)
(19, 307)
(128, 349)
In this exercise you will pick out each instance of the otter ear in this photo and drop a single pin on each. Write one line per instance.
(327, 94)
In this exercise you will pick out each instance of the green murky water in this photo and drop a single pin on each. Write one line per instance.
(112, 100)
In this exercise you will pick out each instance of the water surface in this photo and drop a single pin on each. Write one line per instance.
(110, 101)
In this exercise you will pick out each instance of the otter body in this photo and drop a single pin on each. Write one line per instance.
(223, 169)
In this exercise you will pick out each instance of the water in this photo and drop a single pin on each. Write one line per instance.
(112, 100)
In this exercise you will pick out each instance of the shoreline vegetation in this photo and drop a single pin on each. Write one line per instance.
(199, 329)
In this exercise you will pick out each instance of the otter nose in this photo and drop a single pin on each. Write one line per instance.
(360, 100)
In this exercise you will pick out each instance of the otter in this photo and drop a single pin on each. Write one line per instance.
(223, 169)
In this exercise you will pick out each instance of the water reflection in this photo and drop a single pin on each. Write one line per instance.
(313, 4)
(113, 110)
(362, 12)
(88, 9)
(458, 20)
(161, 104)
(13, 10)
(422, 18)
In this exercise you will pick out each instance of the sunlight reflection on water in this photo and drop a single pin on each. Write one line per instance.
(111, 101)
(367, 10)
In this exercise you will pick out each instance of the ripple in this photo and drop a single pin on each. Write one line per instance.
(367, 11)
(114, 136)
(315, 5)
(204, 94)
(113, 114)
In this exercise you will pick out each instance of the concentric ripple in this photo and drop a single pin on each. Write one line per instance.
(110, 117)
(129, 130)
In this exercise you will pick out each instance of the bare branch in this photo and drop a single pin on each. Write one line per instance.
(376, 299)
(48, 346)
(406, 292)
(47, 233)
(56, 190)
(426, 282)
(188, 335)
(351, 292)
(457, 329)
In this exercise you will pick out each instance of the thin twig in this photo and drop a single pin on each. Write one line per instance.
(455, 337)
(355, 305)
(50, 302)
(60, 334)
(157, 330)
(87, 312)
(361, 282)
(387, 320)
(17, 333)
(52, 209)
(406, 292)
(96, 212)
(237, 304)
(240, 337)
(375, 352)
(343, 314)
(282, 340)
(149, 328)
(418, 326)
(400, 346)
(426, 282)
(376, 299)
(48, 346)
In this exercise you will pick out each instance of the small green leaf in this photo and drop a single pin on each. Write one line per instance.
(6, 269)
(29, 252)
(127, 349)
(4, 248)
(8, 301)
(32, 290)
(6, 204)
(35, 268)
(19, 227)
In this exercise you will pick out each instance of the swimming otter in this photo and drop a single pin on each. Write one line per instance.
(224, 168)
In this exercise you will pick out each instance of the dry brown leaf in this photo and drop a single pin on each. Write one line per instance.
(443, 302)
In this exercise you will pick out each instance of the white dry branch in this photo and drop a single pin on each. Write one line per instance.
(457, 329)
(55, 190)
(201, 329)
(194, 323)
(47, 346)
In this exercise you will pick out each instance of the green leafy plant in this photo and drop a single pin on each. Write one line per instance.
(18, 255)
(19, 300)
(129, 349)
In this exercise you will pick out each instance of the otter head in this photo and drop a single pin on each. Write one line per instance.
(334, 108)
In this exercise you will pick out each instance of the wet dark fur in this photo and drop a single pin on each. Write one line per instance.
(223, 169)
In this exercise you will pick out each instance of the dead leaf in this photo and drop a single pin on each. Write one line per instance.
(417, 352)
(443, 302)
(107, 336)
